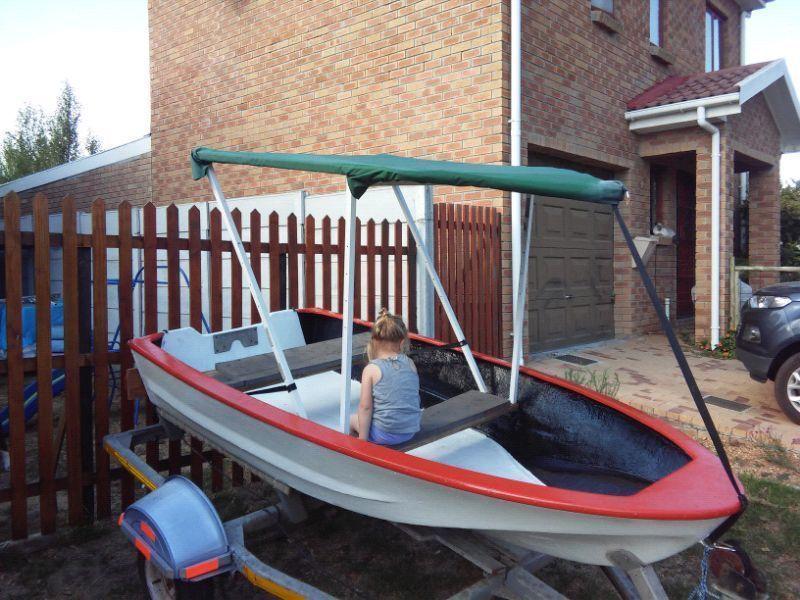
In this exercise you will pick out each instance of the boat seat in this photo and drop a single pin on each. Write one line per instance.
(262, 370)
(455, 414)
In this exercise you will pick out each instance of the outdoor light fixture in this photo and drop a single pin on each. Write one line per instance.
(769, 301)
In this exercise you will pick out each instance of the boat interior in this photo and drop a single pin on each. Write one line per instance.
(553, 436)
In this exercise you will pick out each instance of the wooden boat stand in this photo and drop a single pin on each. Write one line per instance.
(509, 572)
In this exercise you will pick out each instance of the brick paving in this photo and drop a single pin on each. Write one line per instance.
(651, 381)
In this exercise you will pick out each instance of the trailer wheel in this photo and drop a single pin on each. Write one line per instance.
(158, 587)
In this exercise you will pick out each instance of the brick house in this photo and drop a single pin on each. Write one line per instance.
(116, 174)
(611, 87)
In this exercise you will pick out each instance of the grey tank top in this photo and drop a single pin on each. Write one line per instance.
(396, 406)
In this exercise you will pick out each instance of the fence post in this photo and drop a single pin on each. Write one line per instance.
(15, 382)
(86, 375)
(423, 217)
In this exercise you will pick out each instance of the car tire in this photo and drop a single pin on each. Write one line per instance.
(788, 376)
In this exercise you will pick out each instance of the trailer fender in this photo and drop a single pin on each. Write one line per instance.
(177, 528)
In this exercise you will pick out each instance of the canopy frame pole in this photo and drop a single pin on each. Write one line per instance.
(255, 292)
(519, 306)
(437, 285)
(347, 311)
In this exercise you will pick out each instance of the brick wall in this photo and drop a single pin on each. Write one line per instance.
(426, 78)
(420, 78)
(578, 77)
(127, 180)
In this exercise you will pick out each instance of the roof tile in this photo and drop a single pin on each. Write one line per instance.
(692, 87)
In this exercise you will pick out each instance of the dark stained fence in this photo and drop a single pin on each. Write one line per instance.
(467, 255)
(59, 470)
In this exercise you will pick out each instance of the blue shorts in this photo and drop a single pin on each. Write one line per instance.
(386, 438)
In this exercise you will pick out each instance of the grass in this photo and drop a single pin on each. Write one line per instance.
(606, 381)
(770, 531)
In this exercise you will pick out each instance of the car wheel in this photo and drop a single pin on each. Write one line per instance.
(787, 387)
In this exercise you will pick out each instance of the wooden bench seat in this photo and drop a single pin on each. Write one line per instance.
(262, 370)
(460, 412)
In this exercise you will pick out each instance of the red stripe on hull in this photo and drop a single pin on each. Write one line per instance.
(699, 490)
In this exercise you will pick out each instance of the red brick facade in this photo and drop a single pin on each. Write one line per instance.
(430, 79)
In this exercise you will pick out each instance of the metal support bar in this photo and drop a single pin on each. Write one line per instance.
(519, 308)
(621, 582)
(437, 284)
(523, 585)
(646, 582)
(347, 312)
(643, 577)
(255, 292)
(121, 447)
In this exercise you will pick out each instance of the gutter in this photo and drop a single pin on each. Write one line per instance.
(715, 210)
(670, 116)
(515, 123)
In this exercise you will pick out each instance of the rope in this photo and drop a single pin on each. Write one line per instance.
(701, 591)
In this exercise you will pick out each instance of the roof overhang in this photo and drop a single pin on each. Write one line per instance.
(748, 5)
(772, 80)
(77, 167)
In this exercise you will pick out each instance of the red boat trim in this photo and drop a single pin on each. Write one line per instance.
(699, 490)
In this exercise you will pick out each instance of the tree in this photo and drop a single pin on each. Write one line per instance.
(790, 224)
(43, 141)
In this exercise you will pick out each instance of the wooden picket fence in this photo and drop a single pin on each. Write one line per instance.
(467, 244)
(82, 484)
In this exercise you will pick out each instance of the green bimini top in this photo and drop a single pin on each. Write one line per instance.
(362, 172)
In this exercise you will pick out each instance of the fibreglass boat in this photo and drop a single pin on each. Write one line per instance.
(526, 459)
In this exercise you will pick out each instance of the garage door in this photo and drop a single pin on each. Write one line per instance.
(571, 274)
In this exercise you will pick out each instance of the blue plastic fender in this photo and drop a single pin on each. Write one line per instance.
(177, 528)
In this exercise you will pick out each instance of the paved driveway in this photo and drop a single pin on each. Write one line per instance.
(650, 380)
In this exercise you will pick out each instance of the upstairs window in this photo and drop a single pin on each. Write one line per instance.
(655, 22)
(713, 39)
(606, 5)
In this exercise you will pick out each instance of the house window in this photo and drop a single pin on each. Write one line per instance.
(713, 39)
(606, 5)
(655, 22)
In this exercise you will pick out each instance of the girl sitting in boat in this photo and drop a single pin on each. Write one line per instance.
(389, 410)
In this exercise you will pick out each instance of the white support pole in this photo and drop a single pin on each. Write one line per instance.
(347, 312)
(519, 309)
(425, 294)
(300, 212)
(255, 292)
(437, 285)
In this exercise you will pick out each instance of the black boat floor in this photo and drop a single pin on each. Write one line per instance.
(470, 409)
(262, 370)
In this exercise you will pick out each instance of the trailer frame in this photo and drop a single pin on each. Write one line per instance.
(509, 572)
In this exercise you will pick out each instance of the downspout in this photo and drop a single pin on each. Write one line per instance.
(516, 142)
(715, 202)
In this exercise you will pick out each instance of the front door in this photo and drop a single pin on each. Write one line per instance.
(686, 232)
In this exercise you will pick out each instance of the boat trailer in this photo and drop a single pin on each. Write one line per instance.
(182, 542)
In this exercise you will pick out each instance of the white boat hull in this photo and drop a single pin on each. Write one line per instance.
(363, 487)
